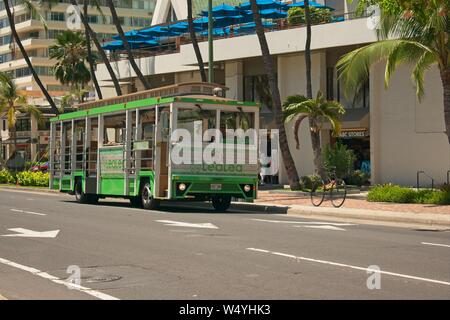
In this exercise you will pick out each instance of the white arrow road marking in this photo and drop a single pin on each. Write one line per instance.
(343, 265)
(31, 234)
(306, 222)
(45, 275)
(436, 244)
(187, 224)
(326, 227)
(30, 212)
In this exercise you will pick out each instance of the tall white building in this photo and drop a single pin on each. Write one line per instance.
(388, 128)
(36, 41)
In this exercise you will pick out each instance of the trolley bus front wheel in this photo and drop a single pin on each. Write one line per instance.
(221, 203)
(146, 197)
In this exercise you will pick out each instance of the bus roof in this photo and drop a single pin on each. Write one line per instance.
(138, 100)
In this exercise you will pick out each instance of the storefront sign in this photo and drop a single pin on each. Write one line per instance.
(352, 133)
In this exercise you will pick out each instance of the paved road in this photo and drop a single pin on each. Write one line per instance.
(175, 253)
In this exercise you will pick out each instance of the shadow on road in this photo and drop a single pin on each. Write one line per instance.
(178, 207)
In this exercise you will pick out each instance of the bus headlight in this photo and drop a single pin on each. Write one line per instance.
(182, 186)
(247, 188)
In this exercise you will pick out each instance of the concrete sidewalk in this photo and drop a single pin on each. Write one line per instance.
(407, 219)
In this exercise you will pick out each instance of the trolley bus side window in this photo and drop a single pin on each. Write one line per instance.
(145, 139)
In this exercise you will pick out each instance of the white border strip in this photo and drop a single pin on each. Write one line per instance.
(436, 244)
(30, 212)
(39, 273)
(350, 266)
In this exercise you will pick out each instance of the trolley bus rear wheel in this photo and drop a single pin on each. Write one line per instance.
(221, 203)
(147, 200)
(80, 196)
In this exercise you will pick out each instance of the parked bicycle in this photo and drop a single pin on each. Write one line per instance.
(332, 185)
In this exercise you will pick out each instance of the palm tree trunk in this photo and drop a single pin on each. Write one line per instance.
(271, 75)
(445, 77)
(27, 59)
(315, 134)
(198, 54)
(100, 50)
(89, 52)
(135, 67)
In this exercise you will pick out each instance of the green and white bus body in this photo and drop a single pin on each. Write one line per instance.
(123, 150)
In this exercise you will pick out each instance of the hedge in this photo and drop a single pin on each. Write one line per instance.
(25, 178)
(397, 194)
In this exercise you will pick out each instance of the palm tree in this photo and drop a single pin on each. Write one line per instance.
(315, 135)
(100, 50)
(70, 52)
(319, 110)
(90, 55)
(30, 5)
(135, 67)
(197, 51)
(13, 104)
(271, 75)
(418, 35)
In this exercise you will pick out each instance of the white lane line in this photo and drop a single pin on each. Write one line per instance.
(29, 212)
(325, 227)
(350, 266)
(436, 244)
(39, 273)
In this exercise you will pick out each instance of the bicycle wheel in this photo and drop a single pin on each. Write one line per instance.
(317, 192)
(338, 193)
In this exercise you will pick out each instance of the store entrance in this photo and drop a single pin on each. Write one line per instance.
(361, 149)
(359, 142)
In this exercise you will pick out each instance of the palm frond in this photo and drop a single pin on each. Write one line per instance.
(353, 68)
(423, 64)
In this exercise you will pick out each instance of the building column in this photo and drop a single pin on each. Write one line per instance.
(234, 80)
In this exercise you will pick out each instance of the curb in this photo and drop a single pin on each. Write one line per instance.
(358, 215)
(29, 189)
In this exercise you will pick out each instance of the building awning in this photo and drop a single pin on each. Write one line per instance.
(18, 140)
(358, 118)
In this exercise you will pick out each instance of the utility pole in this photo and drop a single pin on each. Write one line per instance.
(210, 43)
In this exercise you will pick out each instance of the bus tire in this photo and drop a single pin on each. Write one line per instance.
(80, 196)
(146, 197)
(221, 203)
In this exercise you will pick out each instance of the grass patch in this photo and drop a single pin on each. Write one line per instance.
(398, 194)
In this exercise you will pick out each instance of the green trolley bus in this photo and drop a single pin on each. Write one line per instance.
(125, 146)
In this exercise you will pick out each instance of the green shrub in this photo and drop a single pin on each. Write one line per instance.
(306, 182)
(6, 176)
(340, 157)
(37, 179)
(296, 15)
(397, 194)
(358, 178)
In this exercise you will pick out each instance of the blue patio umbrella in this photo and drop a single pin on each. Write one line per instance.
(272, 14)
(264, 4)
(219, 22)
(113, 45)
(159, 31)
(133, 35)
(134, 44)
(312, 3)
(217, 32)
(250, 27)
(182, 27)
(222, 10)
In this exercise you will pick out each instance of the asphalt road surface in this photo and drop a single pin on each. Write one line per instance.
(54, 248)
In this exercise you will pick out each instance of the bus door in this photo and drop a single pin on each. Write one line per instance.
(162, 152)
